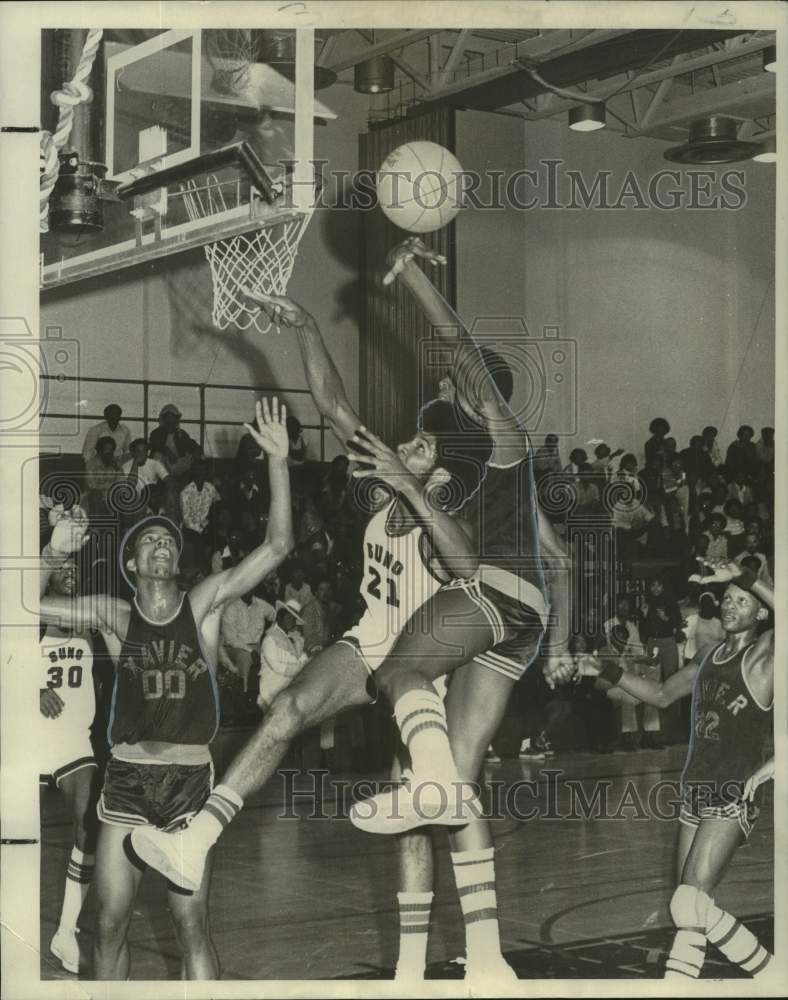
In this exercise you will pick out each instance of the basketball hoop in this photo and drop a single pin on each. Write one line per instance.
(260, 259)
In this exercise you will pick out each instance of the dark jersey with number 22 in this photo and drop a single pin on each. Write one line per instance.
(165, 686)
(729, 727)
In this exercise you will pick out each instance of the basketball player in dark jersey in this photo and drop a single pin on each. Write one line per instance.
(732, 686)
(490, 624)
(164, 711)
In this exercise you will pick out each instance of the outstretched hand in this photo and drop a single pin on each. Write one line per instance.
(722, 571)
(384, 463)
(559, 669)
(280, 309)
(69, 531)
(406, 251)
(271, 430)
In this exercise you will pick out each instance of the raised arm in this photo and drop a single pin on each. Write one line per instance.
(323, 379)
(218, 589)
(472, 379)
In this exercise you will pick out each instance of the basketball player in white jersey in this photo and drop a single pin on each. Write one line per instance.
(732, 687)
(67, 711)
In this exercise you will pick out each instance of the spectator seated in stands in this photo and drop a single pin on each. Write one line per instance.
(741, 455)
(718, 540)
(740, 488)
(577, 459)
(282, 655)
(336, 487)
(196, 500)
(250, 502)
(109, 427)
(101, 471)
(752, 552)
(244, 622)
(659, 429)
(711, 446)
(734, 527)
(298, 589)
(319, 615)
(171, 444)
(147, 473)
(232, 553)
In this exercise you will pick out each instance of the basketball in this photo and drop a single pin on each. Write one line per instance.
(419, 186)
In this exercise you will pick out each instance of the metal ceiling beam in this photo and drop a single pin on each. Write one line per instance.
(715, 101)
(680, 65)
(542, 46)
(384, 47)
(601, 57)
(456, 54)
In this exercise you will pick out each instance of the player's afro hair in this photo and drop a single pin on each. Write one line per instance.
(463, 450)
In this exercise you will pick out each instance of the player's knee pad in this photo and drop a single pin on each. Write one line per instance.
(684, 907)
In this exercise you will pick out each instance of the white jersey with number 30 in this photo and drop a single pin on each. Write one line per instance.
(67, 669)
(398, 579)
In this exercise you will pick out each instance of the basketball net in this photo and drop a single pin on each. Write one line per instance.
(261, 260)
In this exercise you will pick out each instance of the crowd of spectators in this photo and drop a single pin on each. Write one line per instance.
(634, 532)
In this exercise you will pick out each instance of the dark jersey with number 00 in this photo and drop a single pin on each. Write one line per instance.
(729, 728)
(165, 686)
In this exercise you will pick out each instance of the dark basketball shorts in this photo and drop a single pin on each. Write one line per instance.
(162, 795)
(697, 804)
(517, 627)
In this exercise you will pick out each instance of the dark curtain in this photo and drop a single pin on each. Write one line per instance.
(392, 383)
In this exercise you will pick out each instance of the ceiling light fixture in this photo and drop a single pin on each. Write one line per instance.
(587, 117)
(375, 76)
(770, 58)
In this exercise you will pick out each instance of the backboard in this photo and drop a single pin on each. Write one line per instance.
(171, 99)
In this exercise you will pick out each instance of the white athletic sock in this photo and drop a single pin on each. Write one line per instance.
(414, 928)
(474, 875)
(738, 944)
(79, 872)
(687, 954)
(421, 717)
(221, 807)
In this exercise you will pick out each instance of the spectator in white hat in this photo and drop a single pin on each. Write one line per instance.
(282, 653)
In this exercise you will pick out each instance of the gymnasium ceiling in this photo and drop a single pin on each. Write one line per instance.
(655, 82)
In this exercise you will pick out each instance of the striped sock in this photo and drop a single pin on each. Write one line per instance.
(421, 717)
(79, 872)
(414, 928)
(687, 954)
(736, 943)
(474, 875)
(221, 806)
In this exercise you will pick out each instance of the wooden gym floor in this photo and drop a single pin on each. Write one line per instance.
(316, 899)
